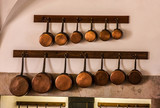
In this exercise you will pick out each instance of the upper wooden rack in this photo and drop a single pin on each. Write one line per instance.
(80, 54)
(82, 19)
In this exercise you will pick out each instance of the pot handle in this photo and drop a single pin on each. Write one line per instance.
(84, 69)
(22, 69)
(102, 57)
(119, 58)
(117, 23)
(63, 20)
(106, 22)
(135, 63)
(48, 21)
(77, 23)
(65, 62)
(44, 63)
(91, 23)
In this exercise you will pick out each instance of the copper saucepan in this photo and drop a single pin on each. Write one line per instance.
(118, 76)
(85, 78)
(64, 81)
(101, 76)
(76, 36)
(135, 76)
(117, 33)
(43, 81)
(105, 34)
(20, 85)
(91, 35)
(47, 38)
(62, 38)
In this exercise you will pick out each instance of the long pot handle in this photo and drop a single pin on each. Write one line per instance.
(65, 62)
(91, 23)
(48, 21)
(106, 22)
(63, 20)
(117, 23)
(44, 63)
(119, 60)
(102, 57)
(77, 24)
(22, 69)
(84, 69)
(135, 63)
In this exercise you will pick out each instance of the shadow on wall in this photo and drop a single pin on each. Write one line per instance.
(16, 10)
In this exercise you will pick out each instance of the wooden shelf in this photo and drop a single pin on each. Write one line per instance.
(83, 19)
(80, 54)
(63, 104)
(122, 105)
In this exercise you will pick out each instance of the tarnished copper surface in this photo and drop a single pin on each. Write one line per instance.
(117, 77)
(105, 35)
(101, 78)
(76, 37)
(117, 34)
(61, 39)
(19, 86)
(46, 40)
(90, 36)
(42, 83)
(84, 80)
(135, 77)
(63, 82)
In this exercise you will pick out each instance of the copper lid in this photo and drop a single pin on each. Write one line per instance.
(76, 37)
(46, 40)
(105, 35)
(19, 86)
(117, 77)
(63, 82)
(41, 83)
(61, 39)
(90, 36)
(135, 77)
(84, 79)
(101, 78)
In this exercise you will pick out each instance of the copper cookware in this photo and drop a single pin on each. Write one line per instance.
(118, 76)
(47, 38)
(20, 85)
(76, 36)
(43, 81)
(85, 78)
(91, 35)
(135, 76)
(117, 33)
(64, 81)
(62, 37)
(105, 34)
(101, 76)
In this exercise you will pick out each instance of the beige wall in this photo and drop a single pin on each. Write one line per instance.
(141, 34)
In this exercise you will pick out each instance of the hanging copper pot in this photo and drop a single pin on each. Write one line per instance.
(43, 81)
(64, 81)
(47, 38)
(135, 76)
(118, 76)
(101, 76)
(76, 36)
(62, 38)
(105, 34)
(117, 33)
(20, 85)
(91, 35)
(85, 78)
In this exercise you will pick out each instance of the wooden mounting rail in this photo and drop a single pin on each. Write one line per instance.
(82, 19)
(80, 54)
(63, 104)
(122, 105)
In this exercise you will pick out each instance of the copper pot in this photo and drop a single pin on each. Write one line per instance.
(62, 38)
(118, 76)
(101, 76)
(20, 85)
(47, 38)
(85, 78)
(76, 36)
(117, 33)
(105, 34)
(64, 81)
(91, 35)
(43, 81)
(135, 76)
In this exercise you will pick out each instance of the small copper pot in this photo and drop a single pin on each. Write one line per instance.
(76, 36)
(135, 76)
(101, 77)
(64, 81)
(91, 35)
(117, 33)
(47, 38)
(118, 76)
(62, 38)
(105, 34)
(84, 78)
